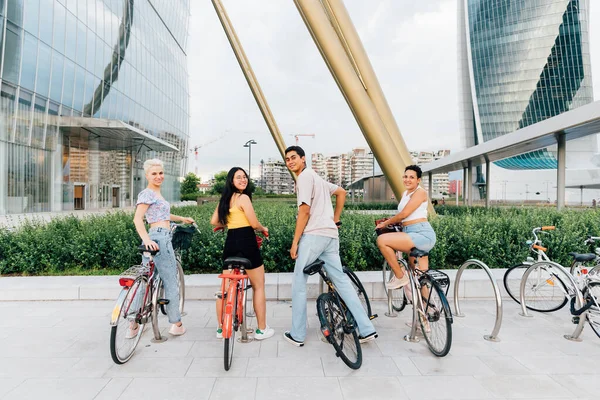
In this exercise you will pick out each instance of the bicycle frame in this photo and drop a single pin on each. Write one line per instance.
(237, 282)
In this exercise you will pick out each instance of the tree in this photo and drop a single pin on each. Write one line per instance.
(190, 184)
(219, 182)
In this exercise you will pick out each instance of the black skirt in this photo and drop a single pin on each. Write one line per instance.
(241, 242)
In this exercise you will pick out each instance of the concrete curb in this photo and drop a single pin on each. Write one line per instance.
(474, 284)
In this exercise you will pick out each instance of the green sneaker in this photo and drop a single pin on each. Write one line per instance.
(219, 333)
(264, 333)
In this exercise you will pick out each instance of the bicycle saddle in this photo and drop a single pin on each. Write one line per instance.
(142, 249)
(237, 261)
(583, 256)
(414, 252)
(314, 267)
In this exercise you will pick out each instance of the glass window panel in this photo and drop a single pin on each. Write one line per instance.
(79, 88)
(71, 6)
(29, 62)
(47, 13)
(82, 10)
(81, 40)
(59, 28)
(12, 56)
(39, 122)
(52, 130)
(23, 117)
(1, 32)
(91, 83)
(32, 16)
(43, 72)
(71, 39)
(90, 50)
(58, 61)
(67, 97)
(99, 60)
(7, 111)
(15, 12)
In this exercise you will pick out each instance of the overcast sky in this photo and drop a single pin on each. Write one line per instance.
(411, 45)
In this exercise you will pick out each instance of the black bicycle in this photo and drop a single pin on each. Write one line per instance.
(337, 322)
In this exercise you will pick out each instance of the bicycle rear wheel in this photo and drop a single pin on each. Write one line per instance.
(544, 290)
(399, 300)
(360, 291)
(592, 293)
(230, 326)
(181, 284)
(436, 319)
(129, 312)
(338, 330)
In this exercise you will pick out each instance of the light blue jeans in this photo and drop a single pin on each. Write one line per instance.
(166, 266)
(327, 250)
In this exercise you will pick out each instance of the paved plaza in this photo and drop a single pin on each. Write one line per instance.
(60, 350)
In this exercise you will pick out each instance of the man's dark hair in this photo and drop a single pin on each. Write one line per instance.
(415, 168)
(297, 149)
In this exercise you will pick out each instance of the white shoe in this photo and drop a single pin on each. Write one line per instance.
(397, 283)
(177, 330)
(219, 333)
(261, 334)
(132, 332)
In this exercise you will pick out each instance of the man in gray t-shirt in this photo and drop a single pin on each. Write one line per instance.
(316, 237)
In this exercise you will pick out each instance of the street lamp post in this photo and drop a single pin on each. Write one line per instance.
(249, 144)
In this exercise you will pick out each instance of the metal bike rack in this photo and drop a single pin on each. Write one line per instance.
(412, 336)
(578, 297)
(390, 312)
(494, 336)
(244, 327)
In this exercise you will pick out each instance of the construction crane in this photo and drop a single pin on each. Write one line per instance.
(195, 149)
(302, 134)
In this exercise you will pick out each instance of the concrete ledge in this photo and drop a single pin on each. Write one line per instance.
(474, 284)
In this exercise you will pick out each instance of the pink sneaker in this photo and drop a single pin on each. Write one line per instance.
(177, 330)
(132, 332)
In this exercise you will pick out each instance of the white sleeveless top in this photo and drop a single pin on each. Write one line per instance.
(420, 212)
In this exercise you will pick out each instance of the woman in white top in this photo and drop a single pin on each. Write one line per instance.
(416, 230)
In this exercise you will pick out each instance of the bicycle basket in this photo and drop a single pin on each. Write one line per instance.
(182, 237)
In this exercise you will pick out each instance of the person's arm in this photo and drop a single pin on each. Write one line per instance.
(415, 201)
(245, 204)
(301, 221)
(177, 218)
(340, 199)
(138, 221)
(214, 220)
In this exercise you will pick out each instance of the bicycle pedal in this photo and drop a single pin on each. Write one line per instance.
(163, 302)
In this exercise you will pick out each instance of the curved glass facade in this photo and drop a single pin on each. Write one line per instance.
(522, 61)
(65, 61)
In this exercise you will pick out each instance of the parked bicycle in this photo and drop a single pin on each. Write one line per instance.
(361, 292)
(396, 296)
(337, 322)
(141, 297)
(430, 306)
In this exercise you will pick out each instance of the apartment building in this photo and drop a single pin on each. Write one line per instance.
(275, 177)
(440, 182)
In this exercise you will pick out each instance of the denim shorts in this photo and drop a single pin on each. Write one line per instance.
(421, 234)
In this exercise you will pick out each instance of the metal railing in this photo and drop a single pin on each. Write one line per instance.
(473, 262)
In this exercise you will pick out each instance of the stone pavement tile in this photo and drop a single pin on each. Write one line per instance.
(197, 334)
(298, 388)
(406, 366)
(169, 388)
(505, 365)
(279, 367)
(444, 387)
(366, 388)
(18, 321)
(8, 384)
(280, 310)
(451, 365)
(579, 385)
(91, 324)
(143, 367)
(269, 347)
(554, 363)
(90, 367)
(590, 345)
(234, 389)
(400, 347)
(312, 349)
(541, 347)
(371, 366)
(206, 367)
(113, 389)
(370, 349)
(216, 349)
(191, 320)
(35, 367)
(474, 348)
(173, 347)
(524, 387)
(64, 389)
(88, 347)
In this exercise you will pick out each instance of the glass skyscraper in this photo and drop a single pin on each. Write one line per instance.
(89, 90)
(520, 62)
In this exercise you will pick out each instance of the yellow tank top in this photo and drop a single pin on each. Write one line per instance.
(237, 218)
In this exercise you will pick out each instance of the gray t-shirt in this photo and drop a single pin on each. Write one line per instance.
(316, 192)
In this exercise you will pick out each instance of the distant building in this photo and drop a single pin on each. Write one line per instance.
(439, 181)
(275, 177)
(317, 163)
(344, 168)
(204, 187)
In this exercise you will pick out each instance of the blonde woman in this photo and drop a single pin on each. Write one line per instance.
(152, 205)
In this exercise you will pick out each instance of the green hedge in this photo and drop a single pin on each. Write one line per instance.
(106, 244)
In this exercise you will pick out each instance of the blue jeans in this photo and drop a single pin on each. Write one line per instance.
(327, 250)
(166, 266)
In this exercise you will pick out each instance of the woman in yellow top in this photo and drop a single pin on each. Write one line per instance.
(235, 212)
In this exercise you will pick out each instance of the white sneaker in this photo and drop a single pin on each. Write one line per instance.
(177, 330)
(261, 334)
(220, 333)
(397, 283)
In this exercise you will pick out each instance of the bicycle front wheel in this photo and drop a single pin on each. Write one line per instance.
(229, 328)
(181, 281)
(124, 337)
(435, 318)
(341, 332)
(544, 290)
(592, 293)
(360, 291)
(398, 296)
